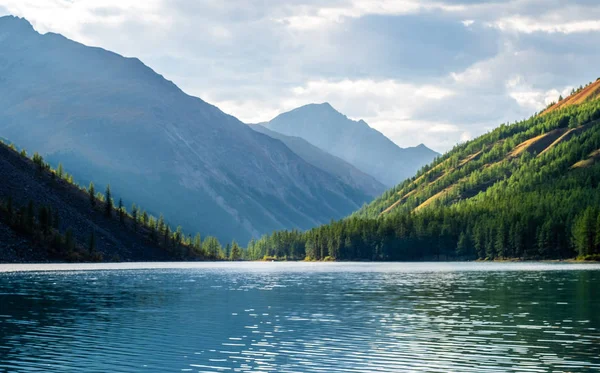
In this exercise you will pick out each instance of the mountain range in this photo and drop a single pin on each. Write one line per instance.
(111, 119)
(353, 141)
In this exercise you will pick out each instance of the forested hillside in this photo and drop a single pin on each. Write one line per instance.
(45, 216)
(526, 190)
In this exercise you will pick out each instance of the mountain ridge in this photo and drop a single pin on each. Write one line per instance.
(326, 161)
(107, 117)
(353, 141)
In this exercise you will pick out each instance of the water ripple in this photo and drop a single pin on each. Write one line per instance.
(322, 318)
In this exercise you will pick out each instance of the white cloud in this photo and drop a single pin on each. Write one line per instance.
(307, 17)
(68, 17)
(530, 25)
(255, 58)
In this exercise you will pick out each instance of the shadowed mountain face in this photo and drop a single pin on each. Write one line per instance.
(355, 142)
(113, 120)
(327, 162)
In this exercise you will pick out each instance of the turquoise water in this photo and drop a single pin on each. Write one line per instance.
(297, 317)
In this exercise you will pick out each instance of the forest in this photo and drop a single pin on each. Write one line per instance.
(528, 190)
(41, 224)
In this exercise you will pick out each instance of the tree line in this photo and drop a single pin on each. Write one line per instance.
(139, 221)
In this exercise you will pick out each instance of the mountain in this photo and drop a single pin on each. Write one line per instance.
(327, 162)
(353, 141)
(112, 119)
(527, 190)
(37, 209)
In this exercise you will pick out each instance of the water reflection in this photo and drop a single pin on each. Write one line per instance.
(302, 318)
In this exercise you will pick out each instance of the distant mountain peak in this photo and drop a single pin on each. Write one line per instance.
(12, 23)
(355, 142)
(322, 107)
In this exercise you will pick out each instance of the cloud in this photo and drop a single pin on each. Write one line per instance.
(529, 25)
(431, 71)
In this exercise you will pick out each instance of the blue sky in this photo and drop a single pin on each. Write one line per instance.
(434, 72)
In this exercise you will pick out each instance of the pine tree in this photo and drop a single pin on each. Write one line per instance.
(60, 171)
(92, 192)
(462, 247)
(227, 250)
(236, 252)
(197, 243)
(152, 226)
(134, 216)
(167, 236)
(583, 232)
(108, 202)
(161, 224)
(178, 236)
(121, 211)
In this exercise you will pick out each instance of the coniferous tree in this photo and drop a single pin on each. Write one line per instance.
(197, 243)
(161, 224)
(108, 202)
(167, 237)
(178, 235)
(134, 216)
(236, 252)
(227, 250)
(92, 193)
(583, 232)
(60, 171)
(462, 246)
(121, 211)
(152, 226)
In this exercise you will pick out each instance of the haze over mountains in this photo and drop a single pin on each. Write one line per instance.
(111, 119)
(327, 162)
(353, 141)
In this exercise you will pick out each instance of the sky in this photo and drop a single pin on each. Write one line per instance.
(437, 72)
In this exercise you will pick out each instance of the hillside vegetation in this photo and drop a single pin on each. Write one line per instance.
(45, 216)
(526, 190)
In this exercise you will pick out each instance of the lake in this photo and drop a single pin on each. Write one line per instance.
(300, 317)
